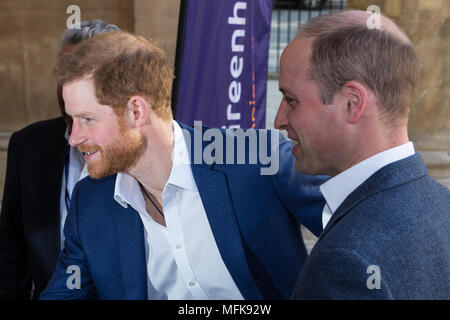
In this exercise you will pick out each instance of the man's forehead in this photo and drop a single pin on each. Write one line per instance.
(81, 90)
(300, 45)
(79, 97)
(82, 83)
(295, 58)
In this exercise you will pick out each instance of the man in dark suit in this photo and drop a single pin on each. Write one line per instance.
(36, 193)
(346, 95)
(171, 214)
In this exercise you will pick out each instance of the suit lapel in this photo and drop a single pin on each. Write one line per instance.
(48, 175)
(213, 189)
(130, 240)
(394, 174)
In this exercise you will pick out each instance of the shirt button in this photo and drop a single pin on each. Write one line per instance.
(192, 283)
(178, 246)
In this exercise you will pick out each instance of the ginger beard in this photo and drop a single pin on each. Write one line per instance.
(120, 155)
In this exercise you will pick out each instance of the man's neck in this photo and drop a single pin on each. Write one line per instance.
(154, 167)
(369, 148)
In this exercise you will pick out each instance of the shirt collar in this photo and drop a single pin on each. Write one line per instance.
(181, 173)
(127, 189)
(338, 188)
(128, 192)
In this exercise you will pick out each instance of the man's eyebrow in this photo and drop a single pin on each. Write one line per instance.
(83, 115)
(285, 92)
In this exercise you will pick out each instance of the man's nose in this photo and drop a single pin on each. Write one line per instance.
(281, 122)
(76, 136)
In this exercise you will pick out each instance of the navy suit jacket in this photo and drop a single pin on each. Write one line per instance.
(254, 219)
(397, 221)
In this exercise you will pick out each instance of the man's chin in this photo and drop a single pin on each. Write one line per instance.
(119, 156)
(302, 167)
(98, 173)
(306, 166)
(299, 168)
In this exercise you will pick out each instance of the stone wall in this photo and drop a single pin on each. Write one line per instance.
(29, 36)
(30, 32)
(157, 21)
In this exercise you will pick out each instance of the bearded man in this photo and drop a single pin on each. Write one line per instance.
(150, 223)
(32, 216)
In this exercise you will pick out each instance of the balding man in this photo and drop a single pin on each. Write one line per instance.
(346, 95)
(156, 219)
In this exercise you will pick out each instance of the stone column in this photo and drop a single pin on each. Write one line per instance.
(427, 23)
(157, 21)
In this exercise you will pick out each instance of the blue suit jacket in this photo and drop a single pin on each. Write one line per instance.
(399, 221)
(254, 219)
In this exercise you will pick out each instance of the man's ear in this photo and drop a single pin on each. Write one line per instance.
(138, 110)
(355, 98)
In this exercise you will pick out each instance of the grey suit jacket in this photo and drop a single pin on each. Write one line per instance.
(390, 239)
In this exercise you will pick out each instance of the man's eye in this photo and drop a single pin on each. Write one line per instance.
(288, 100)
(86, 120)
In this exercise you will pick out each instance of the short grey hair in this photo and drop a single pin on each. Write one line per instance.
(87, 30)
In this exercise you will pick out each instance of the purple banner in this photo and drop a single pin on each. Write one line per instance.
(222, 71)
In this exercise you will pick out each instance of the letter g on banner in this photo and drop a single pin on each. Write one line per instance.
(74, 280)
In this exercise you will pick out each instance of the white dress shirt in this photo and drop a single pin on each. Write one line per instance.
(77, 171)
(338, 188)
(183, 260)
